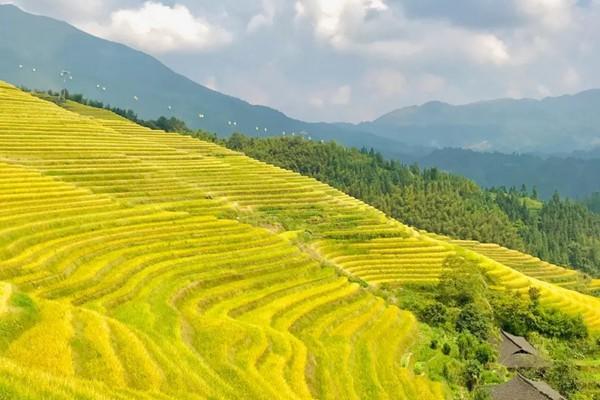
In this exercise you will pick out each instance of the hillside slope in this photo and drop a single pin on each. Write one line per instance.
(50, 46)
(131, 261)
(151, 265)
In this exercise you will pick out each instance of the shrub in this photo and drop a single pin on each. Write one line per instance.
(461, 284)
(467, 343)
(472, 374)
(472, 319)
(563, 377)
(482, 394)
(434, 314)
(446, 349)
(485, 353)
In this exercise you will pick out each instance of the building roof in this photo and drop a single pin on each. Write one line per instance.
(521, 343)
(521, 388)
(517, 352)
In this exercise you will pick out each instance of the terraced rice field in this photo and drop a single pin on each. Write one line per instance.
(140, 264)
(533, 266)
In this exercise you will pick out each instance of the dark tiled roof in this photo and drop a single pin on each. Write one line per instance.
(521, 388)
(517, 352)
(544, 388)
(521, 343)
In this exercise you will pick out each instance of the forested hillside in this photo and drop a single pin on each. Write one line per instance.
(558, 230)
(574, 175)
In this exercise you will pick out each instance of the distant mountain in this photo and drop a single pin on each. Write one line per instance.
(587, 154)
(554, 124)
(575, 177)
(34, 50)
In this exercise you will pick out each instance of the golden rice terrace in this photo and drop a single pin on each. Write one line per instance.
(140, 264)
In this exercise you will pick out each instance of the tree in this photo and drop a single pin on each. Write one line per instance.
(460, 283)
(563, 376)
(474, 320)
(485, 353)
(434, 314)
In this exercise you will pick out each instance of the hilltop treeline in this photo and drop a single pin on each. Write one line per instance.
(559, 230)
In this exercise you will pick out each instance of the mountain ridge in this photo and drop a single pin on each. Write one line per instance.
(550, 125)
(31, 41)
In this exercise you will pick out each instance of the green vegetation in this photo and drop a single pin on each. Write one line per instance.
(465, 314)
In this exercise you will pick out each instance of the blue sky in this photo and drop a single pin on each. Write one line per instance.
(352, 60)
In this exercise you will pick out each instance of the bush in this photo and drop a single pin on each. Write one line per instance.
(472, 374)
(461, 284)
(467, 344)
(485, 354)
(446, 349)
(434, 314)
(560, 325)
(453, 372)
(563, 377)
(521, 316)
(474, 320)
(482, 394)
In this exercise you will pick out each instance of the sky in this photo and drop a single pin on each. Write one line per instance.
(354, 60)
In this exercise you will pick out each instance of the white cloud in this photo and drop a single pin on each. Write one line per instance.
(263, 19)
(316, 102)
(571, 79)
(158, 28)
(543, 91)
(342, 96)
(334, 20)
(552, 14)
(370, 28)
(387, 82)
(431, 83)
(488, 49)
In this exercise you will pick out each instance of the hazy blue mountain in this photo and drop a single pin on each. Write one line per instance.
(572, 176)
(587, 154)
(50, 46)
(554, 124)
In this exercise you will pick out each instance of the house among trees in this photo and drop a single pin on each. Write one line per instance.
(516, 353)
(521, 388)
